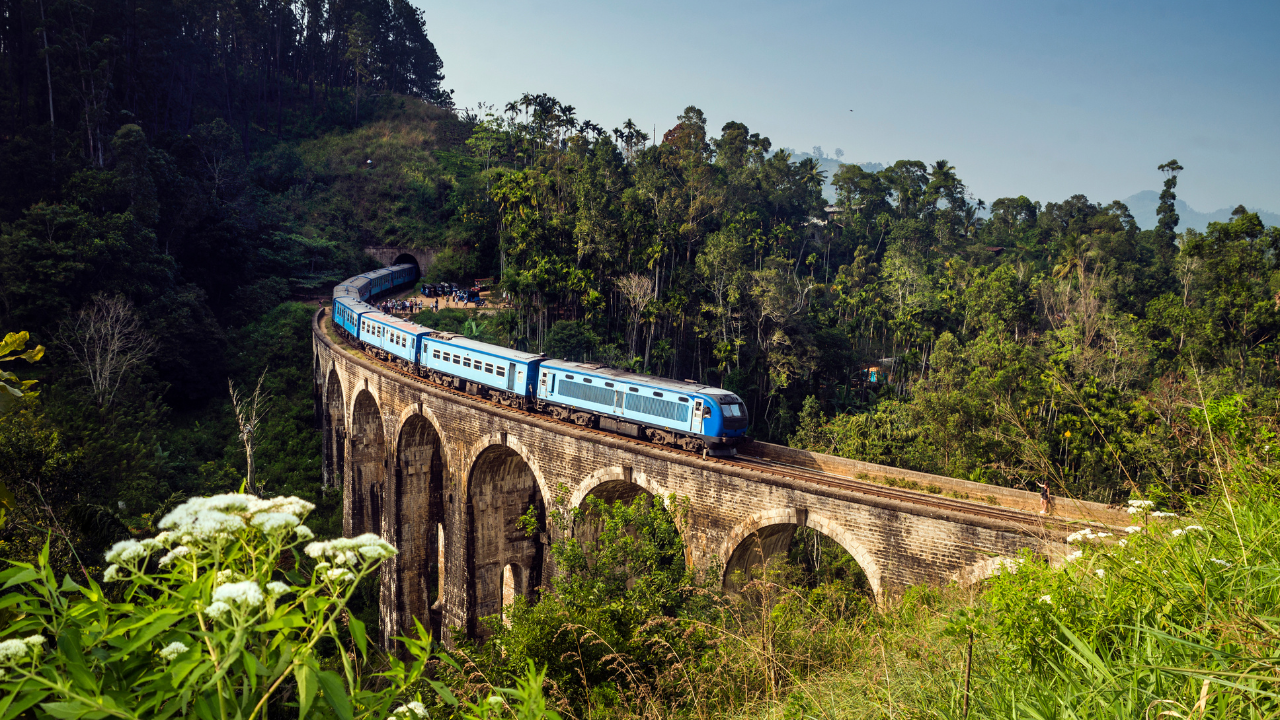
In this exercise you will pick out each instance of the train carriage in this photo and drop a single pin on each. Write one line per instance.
(480, 368)
(347, 312)
(690, 415)
(393, 339)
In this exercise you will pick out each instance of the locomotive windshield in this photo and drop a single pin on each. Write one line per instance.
(731, 405)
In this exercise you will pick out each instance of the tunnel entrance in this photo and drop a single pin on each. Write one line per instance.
(407, 259)
(506, 529)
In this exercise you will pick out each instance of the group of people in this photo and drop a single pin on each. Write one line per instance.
(408, 307)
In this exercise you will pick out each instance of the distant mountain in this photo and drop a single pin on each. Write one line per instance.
(1143, 206)
(830, 165)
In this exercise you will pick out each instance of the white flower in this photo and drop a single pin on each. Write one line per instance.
(225, 576)
(1189, 528)
(1047, 600)
(112, 574)
(414, 707)
(1072, 557)
(151, 545)
(304, 532)
(1100, 573)
(1137, 562)
(1133, 529)
(269, 522)
(1133, 510)
(217, 609)
(1220, 561)
(1141, 504)
(174, 554)
(1086, 534)
(34, 641)
(220, 515)
(294, 506)
(1158, 514)
(276, 587)
(126, 551)
(172, 650)
(245, 593)
(1177, 532)
(346, 551)
(1122, 542)
(11, 650)
(340, 575)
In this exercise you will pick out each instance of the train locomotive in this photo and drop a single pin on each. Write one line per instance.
(687, 415)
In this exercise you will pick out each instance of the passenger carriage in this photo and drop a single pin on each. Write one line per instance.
(479, 368)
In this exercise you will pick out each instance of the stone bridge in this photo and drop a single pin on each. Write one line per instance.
(446, 478)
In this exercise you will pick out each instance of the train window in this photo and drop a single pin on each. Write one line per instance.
(466, 362)
(568, 377)
(435, 354)
(608, 384)
(683, 399)
(488, 367)
(657, 394)
(586, 380)
(501, 371)
(634, 389)
(457, 358)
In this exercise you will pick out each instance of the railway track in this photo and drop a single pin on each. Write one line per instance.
(745, 461)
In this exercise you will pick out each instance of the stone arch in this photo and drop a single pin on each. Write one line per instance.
(513, 443)
(364, 498)
(611, 483)
(760, 536)
(501, 488)
(334, 420)
(421, 408)
(415, 518)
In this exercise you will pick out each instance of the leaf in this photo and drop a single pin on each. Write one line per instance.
(16, 703)
(444, 693)
(306, 678)
(71, 711)
(69, 645)
(159, 623)
(357, 632)
(335, 694)
(22, 577)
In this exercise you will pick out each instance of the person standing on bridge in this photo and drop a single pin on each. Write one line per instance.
(1045, 499)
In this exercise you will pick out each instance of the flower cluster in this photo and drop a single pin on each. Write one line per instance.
(412, 709)
(16, 649)
(221, 515)
(349, 551)
(1159, 514)
(172, 651)
(1177, 532)
(1139, 506)
(1086, 534)
(245, 594)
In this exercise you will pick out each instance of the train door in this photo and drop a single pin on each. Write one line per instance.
(617, 402)
(511, 376)
(696, 425)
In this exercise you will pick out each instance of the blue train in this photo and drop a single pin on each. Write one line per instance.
(687, 414)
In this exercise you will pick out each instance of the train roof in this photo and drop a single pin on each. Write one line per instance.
(404, 326)
(598, 370)
(464, 342)
(356, 304)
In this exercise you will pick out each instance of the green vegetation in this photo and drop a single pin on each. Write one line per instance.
(185, 204)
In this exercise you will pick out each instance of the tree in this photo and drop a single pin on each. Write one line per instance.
(1167, 222)
(359, 51)
(839, 153)
(107, 341)
(249, 414)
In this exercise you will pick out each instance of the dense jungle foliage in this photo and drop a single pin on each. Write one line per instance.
(180, 184)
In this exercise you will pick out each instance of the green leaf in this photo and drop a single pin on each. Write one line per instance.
(159, 623)
(71, 711)
(16, 703)
(22, 577)
(68, 585)
(357, 632)
(306, 678)
(444, 693)
(69, 645)
(335, 693)
(292, 620)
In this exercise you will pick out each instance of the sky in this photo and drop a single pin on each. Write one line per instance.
(1042, 98)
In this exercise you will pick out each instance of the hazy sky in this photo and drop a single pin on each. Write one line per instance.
(1044, 99)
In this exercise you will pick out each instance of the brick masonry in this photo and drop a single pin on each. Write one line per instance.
(417, 463)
